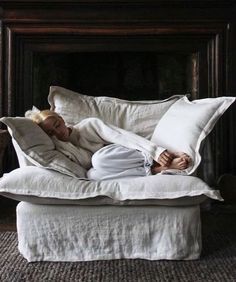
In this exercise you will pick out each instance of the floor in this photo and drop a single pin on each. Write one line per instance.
(217, 263)
(8, 216)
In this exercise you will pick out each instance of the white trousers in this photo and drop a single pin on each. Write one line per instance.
(116, 161)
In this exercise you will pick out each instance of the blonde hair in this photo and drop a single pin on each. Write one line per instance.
(40, 116)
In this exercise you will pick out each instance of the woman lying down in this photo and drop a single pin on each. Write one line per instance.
(106, 151)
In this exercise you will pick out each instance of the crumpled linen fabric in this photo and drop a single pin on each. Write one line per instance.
(62, 233)
(44, 183)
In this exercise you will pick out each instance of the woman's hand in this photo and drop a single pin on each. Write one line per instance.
(165, 158)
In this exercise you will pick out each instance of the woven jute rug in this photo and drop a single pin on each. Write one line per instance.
(217, 262)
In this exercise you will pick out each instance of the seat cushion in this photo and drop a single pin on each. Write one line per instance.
(39, 185)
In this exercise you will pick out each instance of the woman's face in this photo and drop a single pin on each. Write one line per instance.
(55, 126)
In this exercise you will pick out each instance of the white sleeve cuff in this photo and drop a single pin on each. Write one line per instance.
(158, 152)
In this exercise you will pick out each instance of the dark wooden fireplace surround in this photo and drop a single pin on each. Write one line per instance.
(205, 29)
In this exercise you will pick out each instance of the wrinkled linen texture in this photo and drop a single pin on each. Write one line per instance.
(38, 182)
(139, 117)
(115, 161)
(62, 233)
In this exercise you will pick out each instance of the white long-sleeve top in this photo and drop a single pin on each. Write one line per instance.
(91, 134)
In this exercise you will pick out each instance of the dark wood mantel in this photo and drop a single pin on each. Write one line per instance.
(205, 30)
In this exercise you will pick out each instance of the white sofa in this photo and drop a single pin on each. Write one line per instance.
(63, 217)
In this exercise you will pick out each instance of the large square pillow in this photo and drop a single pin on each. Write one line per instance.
(42, 186)
(185, 125)
(140, 117)
(38, 148)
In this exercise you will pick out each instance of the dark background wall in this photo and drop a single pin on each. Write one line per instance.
(127, 75)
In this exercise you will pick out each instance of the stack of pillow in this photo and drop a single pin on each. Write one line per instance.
(175, 123)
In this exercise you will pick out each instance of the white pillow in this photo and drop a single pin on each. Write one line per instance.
(140, 117)
(43, 186)
(186, 124)
(39, 148)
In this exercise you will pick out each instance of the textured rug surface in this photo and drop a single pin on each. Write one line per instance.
(217, 262)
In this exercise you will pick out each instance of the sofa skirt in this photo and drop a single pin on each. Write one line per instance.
(85, 233)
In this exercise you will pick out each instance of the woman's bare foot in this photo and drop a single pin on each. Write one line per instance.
(180, 162)
(183, 155)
